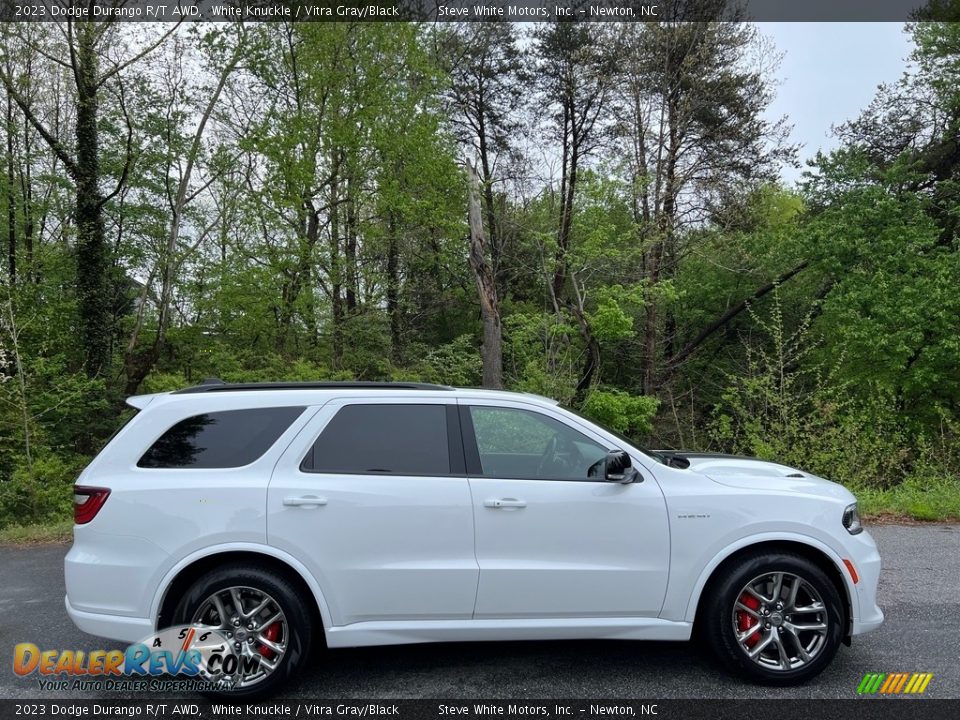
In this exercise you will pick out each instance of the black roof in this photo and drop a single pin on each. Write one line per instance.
(218, 385)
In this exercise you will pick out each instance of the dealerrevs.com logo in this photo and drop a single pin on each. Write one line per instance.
(894, 683)
(195, 655)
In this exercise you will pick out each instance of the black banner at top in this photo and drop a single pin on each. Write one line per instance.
(477, 10)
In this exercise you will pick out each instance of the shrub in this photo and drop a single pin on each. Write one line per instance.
(627, 414)
(40, 491)
(457, 363)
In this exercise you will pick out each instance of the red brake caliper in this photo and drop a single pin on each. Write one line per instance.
(745, 621)
(272, 633)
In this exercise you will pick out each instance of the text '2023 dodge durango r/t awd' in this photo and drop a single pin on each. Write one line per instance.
(288, 515)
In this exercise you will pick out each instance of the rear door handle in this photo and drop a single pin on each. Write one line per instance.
(304, 501)
(504, 503)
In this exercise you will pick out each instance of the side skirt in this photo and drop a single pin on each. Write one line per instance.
(402, 632)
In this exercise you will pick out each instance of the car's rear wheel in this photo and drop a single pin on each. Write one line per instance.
(774, 618)
(261, 616)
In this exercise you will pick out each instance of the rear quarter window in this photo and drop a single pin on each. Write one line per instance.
(227, 439)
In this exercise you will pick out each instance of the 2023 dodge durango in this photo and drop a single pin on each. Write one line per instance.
(285, 516)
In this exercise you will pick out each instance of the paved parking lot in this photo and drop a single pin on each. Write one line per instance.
(919, 592)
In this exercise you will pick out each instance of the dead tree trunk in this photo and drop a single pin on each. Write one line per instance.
(492, 348)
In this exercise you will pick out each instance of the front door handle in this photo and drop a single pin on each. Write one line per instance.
(504, 503)
(304, 501)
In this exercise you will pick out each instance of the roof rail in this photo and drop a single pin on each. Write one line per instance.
(218, 385)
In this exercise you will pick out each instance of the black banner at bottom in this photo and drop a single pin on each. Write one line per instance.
(900, 708)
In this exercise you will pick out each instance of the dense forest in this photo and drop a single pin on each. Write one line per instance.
(586, 211)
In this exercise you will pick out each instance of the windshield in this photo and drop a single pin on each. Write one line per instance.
(649, 453)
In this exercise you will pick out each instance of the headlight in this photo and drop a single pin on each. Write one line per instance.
(851, 519)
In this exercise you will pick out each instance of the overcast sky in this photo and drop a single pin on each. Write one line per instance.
(829, 72)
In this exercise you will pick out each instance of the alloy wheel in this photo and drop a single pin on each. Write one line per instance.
(255, 626)
(780, 621)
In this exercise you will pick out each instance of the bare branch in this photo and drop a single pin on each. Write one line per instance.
(128, 160)
(50, 139)
(117, 68)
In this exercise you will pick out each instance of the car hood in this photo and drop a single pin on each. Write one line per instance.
(755, 474)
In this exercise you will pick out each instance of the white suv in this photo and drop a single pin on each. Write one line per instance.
(290, 514)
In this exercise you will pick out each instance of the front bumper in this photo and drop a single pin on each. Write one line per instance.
(867, 615)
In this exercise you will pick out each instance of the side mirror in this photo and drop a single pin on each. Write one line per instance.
(618, 468)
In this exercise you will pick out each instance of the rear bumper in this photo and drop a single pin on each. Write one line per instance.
(113, 627)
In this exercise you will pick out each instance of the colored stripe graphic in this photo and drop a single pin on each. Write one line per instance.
(913, 683)
(894, 683)
(888, 682)
(901, 682)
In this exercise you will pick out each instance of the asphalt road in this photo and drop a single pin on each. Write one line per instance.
(919, 592)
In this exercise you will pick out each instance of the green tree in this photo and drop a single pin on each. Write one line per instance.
(84, 55)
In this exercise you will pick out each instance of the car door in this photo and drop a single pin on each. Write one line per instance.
(373, 498)
(553, 539)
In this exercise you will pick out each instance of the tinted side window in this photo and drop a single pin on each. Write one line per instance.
(522, 444)
(393, 439)
(232, 438)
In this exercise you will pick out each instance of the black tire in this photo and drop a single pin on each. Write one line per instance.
(298, 620)
(718, 620)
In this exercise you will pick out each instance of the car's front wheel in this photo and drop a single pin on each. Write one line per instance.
(774, 618)
(263, 620)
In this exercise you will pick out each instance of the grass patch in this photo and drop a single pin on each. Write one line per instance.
(57, 531)
(917, 498)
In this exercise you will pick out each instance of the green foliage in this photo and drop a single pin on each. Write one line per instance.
(893, 312)
(609, 320)
(788, 407)
(627, 414)
(457, 363)
(41, 491)
(923, 496)
(325, 238)
(528, 366)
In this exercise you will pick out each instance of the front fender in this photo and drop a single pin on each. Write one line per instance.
(692, 600)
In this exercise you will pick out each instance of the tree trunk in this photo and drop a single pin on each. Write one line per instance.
(350, 249)
(568, 186)
(11, 200)
(651, 354)
(92, 260)
(493, 232)
(393, 290)
(492, 349)
(336, 275)
(591, 363)
(26, 204)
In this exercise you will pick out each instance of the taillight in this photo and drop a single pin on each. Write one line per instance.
(87, 502)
